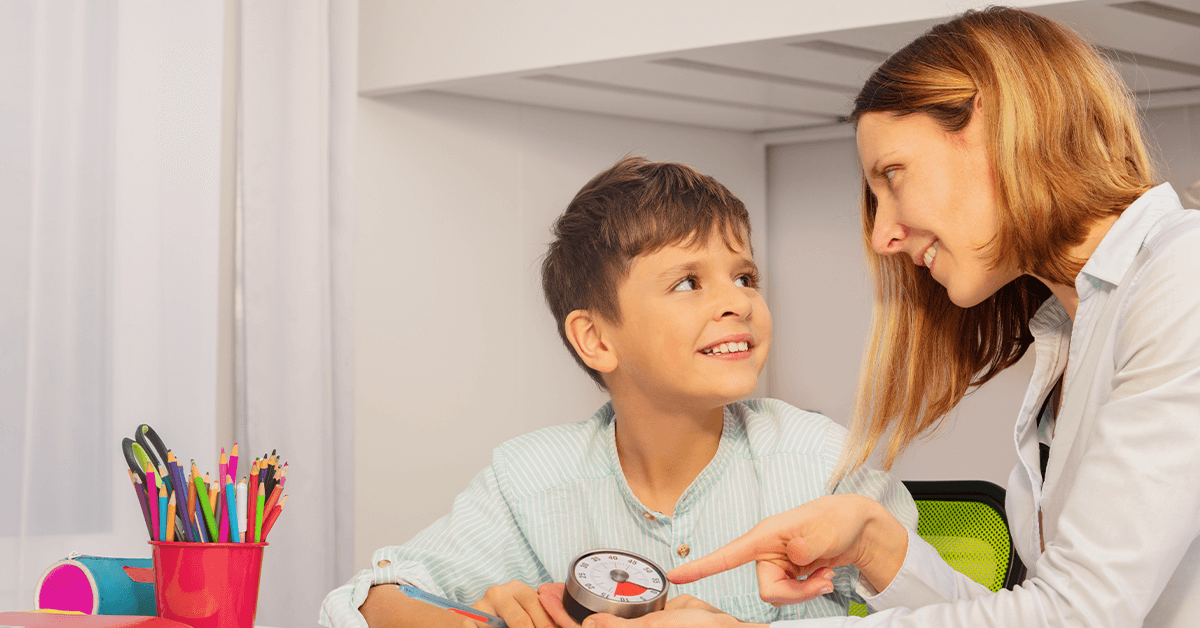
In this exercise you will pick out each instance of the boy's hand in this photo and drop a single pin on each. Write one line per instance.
(682, 611)
(517, 604)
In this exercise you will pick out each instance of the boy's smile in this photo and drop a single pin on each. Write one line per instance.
(695, 330)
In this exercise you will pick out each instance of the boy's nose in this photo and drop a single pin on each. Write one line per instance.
(734, 302)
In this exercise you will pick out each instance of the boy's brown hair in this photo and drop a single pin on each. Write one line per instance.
(633, 208)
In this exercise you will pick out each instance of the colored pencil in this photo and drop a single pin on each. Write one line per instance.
(191, 509)
(258, 514)
(251, 500)
(222, 466)
(270, 522)
(223, 535)
(141, 495)
(269, 476)
(233, 459)
(165, 478)
(241, 510)
(214, 490)
(162, 512)
(283, 474)
(171, 517)
(205, 506)
(198, 519)
(152, 500)
(231, 508)
(176, 470)
(275, 495)
(212, 497)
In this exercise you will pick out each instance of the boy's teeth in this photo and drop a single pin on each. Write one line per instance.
(931, 253)
(727, 347)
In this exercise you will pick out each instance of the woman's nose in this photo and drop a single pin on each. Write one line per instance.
(887, 238)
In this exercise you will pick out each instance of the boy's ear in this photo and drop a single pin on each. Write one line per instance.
(586, 334)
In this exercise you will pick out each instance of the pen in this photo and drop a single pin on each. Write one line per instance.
(461, 609)
(241, 510)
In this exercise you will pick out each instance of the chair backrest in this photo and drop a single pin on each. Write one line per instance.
(965, 521)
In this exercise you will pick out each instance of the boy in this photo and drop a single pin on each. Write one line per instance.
(654, 288)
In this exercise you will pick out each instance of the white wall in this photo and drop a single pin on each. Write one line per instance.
(455, 349)
(820, 298)
(1177, 132)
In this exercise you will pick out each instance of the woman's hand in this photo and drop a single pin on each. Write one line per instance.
(806, 542)
(682, 611)
(517, 604)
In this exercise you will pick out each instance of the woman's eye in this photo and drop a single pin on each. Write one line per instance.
(686, 284)
(890, 174)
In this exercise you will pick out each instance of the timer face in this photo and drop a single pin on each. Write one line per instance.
(618, 577)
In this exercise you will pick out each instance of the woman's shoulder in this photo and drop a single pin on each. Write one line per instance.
(775, 426)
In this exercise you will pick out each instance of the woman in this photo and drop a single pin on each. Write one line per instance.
(1007, 202)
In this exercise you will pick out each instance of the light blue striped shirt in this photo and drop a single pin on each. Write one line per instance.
(552, 494)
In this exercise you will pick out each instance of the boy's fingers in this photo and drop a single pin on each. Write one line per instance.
(485, 606)
(528, 598)
(550, 595)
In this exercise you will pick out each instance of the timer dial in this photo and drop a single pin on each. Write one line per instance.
(616, 582)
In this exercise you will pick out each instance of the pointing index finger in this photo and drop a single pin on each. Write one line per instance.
(735, 554)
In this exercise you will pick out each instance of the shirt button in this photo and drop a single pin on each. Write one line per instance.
(648, 516)
(383, 563)
(683, 550)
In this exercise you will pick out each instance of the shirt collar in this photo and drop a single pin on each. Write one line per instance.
(731, 433)
(1124, 239)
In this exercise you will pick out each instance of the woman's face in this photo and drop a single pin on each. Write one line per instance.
(936, 199)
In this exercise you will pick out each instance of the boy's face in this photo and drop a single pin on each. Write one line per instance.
(695, 329)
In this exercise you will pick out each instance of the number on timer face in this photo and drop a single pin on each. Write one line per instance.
(618, 577)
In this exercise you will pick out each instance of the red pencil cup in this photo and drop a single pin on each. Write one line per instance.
(207, 585)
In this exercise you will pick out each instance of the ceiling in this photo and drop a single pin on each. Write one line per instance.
(803, 85)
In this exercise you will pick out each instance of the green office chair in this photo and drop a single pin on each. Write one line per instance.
(964, 520)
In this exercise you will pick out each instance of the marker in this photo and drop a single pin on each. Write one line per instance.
(461, 609)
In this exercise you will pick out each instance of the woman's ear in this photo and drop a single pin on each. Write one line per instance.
(586, 334)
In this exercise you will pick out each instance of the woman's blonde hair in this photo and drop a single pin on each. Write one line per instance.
(1066, 151)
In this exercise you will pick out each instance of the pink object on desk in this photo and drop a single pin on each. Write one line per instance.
(35, 619)
(67, 589)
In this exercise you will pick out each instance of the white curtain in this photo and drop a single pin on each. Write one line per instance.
(293, 320)
(109, 196)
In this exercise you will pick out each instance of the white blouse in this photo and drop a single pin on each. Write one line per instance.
(1121, 499)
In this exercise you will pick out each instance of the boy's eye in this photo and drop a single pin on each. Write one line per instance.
(746, 281)
(687, 284)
